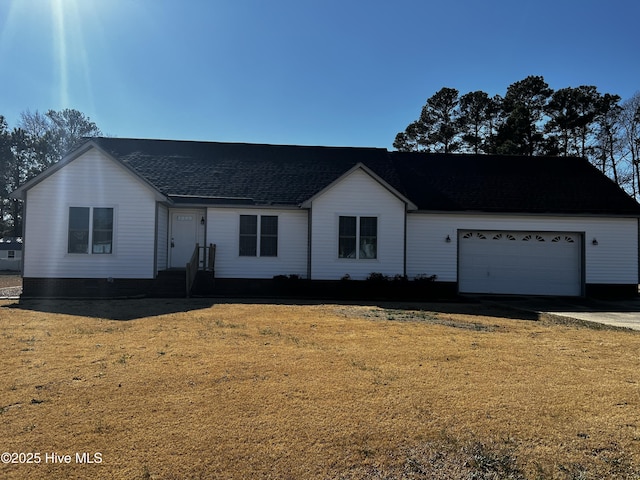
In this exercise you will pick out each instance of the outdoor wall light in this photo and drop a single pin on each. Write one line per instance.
(202, 221)
(594, 241)
(448, 239)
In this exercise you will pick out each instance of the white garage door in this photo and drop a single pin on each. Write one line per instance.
(525, 263)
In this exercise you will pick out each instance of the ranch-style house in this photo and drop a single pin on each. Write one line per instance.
(116, 215)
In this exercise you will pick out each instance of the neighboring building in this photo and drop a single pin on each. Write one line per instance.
(10, 254)
(118, 212)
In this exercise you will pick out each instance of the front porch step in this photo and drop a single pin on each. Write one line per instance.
(169, 284)
(203, 284)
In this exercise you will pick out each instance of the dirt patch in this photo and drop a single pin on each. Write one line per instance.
(10, 286)
(10, 280)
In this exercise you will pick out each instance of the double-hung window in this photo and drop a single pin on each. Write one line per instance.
(248, 235)
(258, 235)
(90, 230)
(268, 236)
(358, 237)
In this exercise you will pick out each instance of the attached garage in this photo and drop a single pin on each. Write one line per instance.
(520, 262)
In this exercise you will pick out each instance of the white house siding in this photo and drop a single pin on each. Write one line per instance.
(10, 264)
(162, 238)
(613, 261)
(91, 180)
(13, 264)
(358, 194)
(223, 229)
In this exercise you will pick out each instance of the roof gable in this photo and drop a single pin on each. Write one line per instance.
(20, 192)
(370, 173)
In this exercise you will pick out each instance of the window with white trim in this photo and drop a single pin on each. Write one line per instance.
(258, 236)
(90, 230)
(358, 237)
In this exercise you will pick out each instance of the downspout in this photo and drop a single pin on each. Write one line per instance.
(24, 230)
(309, 232)
(205, 250)
(155, 244)
(404, 259)
(583, 266)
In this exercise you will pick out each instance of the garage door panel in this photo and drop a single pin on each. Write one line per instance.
(534, 263)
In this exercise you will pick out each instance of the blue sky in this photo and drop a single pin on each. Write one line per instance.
(330, 72)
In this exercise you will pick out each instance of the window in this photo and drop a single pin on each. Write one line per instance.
(347, 235)
(368, 237)
(268, 236)
(248, 235)
(102, 230)
(79, 230)
(11, 254)
(358, 237)
(263, 239)
(90, 226)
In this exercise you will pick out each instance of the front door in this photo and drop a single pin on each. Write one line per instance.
(184, 236)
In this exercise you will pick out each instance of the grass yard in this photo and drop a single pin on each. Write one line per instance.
(178, 389)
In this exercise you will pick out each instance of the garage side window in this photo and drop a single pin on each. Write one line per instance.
(90, 226)
(358, 237)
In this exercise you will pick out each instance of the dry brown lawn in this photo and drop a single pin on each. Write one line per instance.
(178, 389)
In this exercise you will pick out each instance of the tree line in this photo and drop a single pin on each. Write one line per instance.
(38, 141)
(530, 119)
(533, 119)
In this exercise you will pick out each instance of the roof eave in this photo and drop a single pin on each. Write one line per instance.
(528, 213)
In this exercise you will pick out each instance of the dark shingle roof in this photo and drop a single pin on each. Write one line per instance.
(493, 183)
(288, 175)
(261, 174)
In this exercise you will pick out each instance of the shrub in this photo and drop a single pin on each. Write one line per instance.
(423, 277)
(377, 277)
(400, 279)
(284, 278)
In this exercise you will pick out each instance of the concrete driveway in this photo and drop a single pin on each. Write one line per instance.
(616, 313)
